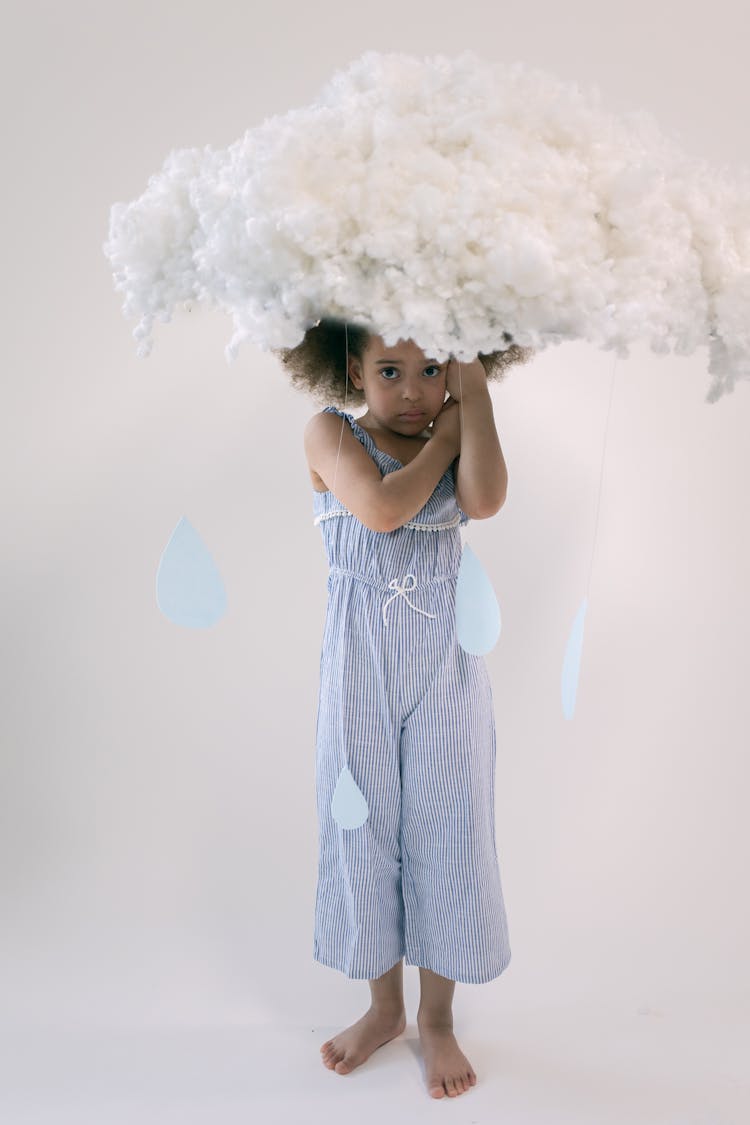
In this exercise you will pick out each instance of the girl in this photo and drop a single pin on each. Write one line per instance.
(405, 718)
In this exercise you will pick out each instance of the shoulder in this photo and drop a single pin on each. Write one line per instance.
(327, 430)
(332, 413)
(324, 422)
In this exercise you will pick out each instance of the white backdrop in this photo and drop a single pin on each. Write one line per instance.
(159, 830)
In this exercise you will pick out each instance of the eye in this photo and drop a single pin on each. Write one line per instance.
(384, 369)
(433, 367)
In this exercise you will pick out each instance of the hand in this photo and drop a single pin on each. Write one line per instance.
(473, 378)
(447, 424)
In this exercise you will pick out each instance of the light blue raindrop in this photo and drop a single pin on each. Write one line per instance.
(348, 807)
(189, 589)
(477, 609)
(572, 663)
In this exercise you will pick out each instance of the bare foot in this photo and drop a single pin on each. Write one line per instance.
(447, 1067)
(352, 1046)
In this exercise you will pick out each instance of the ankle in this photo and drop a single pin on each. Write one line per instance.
(435, 1017)
(387, 1009)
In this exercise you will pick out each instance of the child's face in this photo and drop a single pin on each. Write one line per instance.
(399, 380)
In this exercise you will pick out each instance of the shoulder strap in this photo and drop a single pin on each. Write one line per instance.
(358, 431)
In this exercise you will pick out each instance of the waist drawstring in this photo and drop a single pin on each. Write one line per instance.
(402, 591)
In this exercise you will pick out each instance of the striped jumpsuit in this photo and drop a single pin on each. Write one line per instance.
(408, 713)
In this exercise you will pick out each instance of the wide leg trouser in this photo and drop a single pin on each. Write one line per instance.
(409, 714)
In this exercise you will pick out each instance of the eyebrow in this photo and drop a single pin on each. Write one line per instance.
(399, 362)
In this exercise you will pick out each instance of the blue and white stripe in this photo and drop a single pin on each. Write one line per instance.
(410, 714)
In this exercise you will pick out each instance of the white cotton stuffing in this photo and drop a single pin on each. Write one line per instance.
(449, 201)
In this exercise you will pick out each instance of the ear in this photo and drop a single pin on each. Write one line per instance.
(355, 372)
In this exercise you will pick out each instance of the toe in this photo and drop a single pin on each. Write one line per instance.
(332, 1055)
(436, 1090)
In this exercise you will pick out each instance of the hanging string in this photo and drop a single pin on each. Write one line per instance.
(461, 420)
(346, 390)
(601, 475)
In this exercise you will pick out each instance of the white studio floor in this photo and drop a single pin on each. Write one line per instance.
(584, 1066)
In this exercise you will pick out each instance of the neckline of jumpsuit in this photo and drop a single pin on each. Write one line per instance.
(405, 730)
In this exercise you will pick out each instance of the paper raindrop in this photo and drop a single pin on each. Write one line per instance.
(477, 609)
(348, 807)
(572, 663)
(189, 589)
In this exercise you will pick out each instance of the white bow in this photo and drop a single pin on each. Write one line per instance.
(402, 592)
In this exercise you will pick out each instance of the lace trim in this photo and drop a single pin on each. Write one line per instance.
(412, 523)
(434, 526)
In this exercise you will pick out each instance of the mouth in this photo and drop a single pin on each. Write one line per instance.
(413, 415)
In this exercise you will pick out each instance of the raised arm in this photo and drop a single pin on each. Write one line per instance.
(480, 472)
(380, 503)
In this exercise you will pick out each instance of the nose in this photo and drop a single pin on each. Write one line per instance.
(412, 393)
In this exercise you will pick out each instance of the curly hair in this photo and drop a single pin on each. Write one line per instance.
(318, 364)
